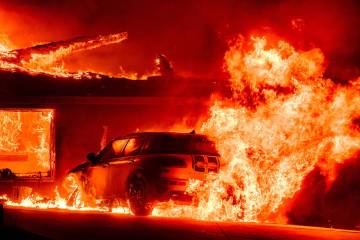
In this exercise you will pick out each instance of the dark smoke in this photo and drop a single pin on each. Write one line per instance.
(336, 206)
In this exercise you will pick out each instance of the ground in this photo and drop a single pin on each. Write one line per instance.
(63, 224)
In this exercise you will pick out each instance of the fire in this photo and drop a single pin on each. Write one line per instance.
(79, 203)
(3, 48)
(283, 119)
(48, 58)
(25, 142)
(4, 43)
(45, 60)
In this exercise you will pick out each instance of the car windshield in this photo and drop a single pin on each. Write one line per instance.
(185, 144)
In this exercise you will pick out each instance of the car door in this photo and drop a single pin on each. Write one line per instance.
(123, 165)
(117, 166)
(99, 173)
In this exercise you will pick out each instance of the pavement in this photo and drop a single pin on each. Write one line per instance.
(27, 223)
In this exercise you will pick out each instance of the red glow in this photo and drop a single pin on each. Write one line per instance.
(287, 119)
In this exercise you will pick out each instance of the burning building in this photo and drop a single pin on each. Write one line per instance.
(283, 126)
(46, 123)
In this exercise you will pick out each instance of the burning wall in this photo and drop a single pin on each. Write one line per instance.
(285, 129)
(26, 143)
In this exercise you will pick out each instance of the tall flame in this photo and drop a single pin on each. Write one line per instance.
(283, 119)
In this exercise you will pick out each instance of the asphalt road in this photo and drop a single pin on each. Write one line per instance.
(63, 224)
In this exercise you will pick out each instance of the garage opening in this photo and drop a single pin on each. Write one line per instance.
(27, 144)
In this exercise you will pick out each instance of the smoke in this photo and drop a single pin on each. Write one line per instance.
(192, 34)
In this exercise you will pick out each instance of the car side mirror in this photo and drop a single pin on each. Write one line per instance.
(92, 157)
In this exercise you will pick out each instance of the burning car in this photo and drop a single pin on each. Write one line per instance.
(145, 168)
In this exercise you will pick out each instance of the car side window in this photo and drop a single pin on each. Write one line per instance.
(113, 149)
(106, 153)
(118, 146)
(133, 146)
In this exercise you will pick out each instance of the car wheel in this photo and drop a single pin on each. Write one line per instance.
(138, 195)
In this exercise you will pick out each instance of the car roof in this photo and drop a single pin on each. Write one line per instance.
(158, 134)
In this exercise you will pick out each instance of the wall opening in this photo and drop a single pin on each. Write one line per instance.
(27, 149)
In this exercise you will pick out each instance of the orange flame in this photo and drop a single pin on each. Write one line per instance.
(283, 119)
(79, 203)
(25, 142)
(48, 58)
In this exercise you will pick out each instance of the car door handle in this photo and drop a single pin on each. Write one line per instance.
(131, 161)
(105, 165)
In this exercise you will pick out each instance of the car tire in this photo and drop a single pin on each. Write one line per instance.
(139, 196)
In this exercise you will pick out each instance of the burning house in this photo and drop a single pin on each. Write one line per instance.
(55, 111)
(285, 123)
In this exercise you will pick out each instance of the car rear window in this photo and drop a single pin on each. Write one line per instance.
(181, 144)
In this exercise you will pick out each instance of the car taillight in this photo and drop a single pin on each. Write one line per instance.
(213, 164)
(205, 164)
(199, 163)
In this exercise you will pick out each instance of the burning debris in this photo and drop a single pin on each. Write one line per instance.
(48, 58)
(283, 120)
(52, 52)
